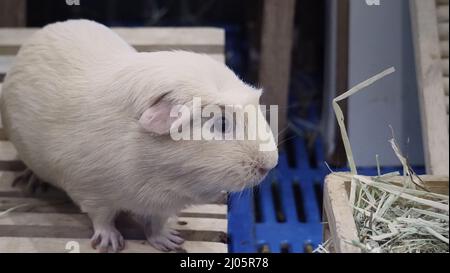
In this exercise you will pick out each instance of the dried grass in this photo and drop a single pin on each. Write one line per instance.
(393, 217)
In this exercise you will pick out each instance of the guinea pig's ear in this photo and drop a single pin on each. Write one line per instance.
(156, 119)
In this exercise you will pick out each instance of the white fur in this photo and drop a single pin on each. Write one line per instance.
(71, 105)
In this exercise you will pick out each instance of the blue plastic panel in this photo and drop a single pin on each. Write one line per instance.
(254, 227)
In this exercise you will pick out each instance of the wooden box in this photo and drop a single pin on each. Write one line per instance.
(339, 224)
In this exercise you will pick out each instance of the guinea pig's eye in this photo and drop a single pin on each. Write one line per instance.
(223, 124)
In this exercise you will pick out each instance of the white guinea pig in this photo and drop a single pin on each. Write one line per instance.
(89, 114)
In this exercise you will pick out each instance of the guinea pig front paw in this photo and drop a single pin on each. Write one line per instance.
(166, 240)
(107, 239)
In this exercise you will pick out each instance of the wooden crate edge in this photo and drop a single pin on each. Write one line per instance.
(339, 214)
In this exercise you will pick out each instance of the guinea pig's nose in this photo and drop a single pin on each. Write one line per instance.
(263, 171)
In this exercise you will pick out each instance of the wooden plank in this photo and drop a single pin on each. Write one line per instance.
(38, 205)
(6, 179)
(218, 57)
(444, 49)
(13, 13)
(275, 64)
(443, 31)
(204, 40)
(57, 201)
(6, 62)
(54, 201)
(338, 157)
(191, 223)
(78, 225)
(206, 211)
(442, 13)
(432, 98)
(85, 232)
(209, 208)
(339, 215)
(197, 39)
(44, 219)
(33, 245)
(446, 83)
(444, 63)
(9, 159)
(2, 132)
(436, 184)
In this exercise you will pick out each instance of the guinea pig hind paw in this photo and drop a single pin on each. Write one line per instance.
(22, 177)
(108, 239)
(31, 182)
(168, 240)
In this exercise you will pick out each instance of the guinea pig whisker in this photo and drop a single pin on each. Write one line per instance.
(284, 141)
(293, 106)
(282, 131)
(242, 190)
